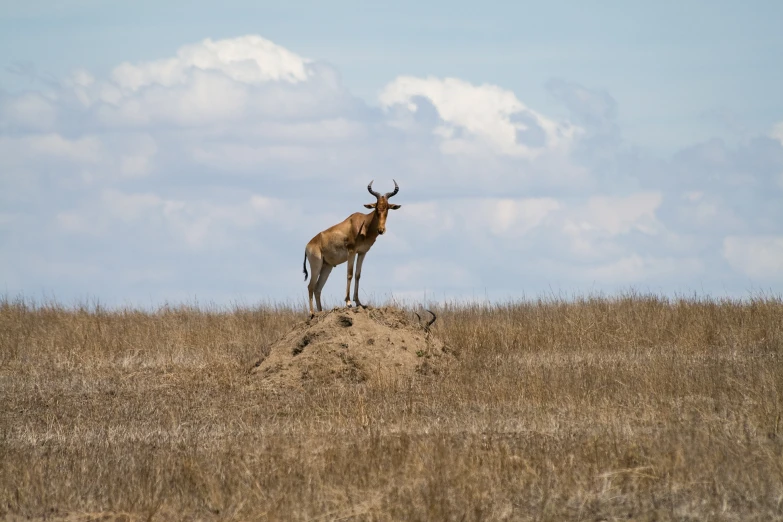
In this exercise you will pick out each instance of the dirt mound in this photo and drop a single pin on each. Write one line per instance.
(354, 345)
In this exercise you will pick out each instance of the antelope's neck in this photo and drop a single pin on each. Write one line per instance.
(372, 224)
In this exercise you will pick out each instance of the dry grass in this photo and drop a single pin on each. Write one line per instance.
(587, 409)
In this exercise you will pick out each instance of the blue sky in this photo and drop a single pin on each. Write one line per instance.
(166, 151)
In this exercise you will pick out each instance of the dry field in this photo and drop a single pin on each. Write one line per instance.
(632, 408)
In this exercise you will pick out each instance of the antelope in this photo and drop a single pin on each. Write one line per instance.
(346, 241)
(430, 322)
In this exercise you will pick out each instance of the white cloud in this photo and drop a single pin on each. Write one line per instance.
(28, 111)
(211, 82)
(205, 98)
(131, 207)
(80, 77)
(232, 154)
(708, 210)
(134, 154)
(269, 208)
(477, 116)
(635, 268)
(430, 218)
(704, 211)
(777, 132)
(599, 228)
(53, 146)
(84, 160)
(266, 144)
(76, 223)
(247, 59)
(617, 215)
(432, 272)
(502, 218)
(755, 256)
(510, 218)
(593, 108)
(196, 224)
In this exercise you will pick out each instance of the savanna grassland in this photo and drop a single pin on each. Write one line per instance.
(634, 407)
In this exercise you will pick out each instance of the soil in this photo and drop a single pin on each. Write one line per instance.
(354, 345)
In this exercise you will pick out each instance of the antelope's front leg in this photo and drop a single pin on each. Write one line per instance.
(359, 262)
(351, 259)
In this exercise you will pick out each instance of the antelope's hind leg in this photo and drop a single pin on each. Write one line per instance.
(322, 277)
(316, 263)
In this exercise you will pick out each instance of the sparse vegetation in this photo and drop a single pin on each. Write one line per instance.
(635, 407)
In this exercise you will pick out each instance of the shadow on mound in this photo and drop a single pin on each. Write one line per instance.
(354, 345)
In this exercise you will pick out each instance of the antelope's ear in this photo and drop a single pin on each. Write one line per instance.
(394, 207)
(370, 205)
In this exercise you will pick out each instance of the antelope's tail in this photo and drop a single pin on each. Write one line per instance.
(304, 266)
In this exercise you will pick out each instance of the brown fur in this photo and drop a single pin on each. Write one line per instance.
(344, 242)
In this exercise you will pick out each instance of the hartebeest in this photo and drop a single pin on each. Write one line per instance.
(344, 242)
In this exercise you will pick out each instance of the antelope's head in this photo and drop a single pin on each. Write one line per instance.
(382, 205)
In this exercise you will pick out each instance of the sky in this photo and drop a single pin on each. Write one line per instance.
(181, 152)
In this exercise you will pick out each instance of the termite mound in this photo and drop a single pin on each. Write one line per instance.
(346, 346)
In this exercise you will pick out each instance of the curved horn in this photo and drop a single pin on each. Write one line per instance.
(427, 327)
(396, 190)
(369, 187)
